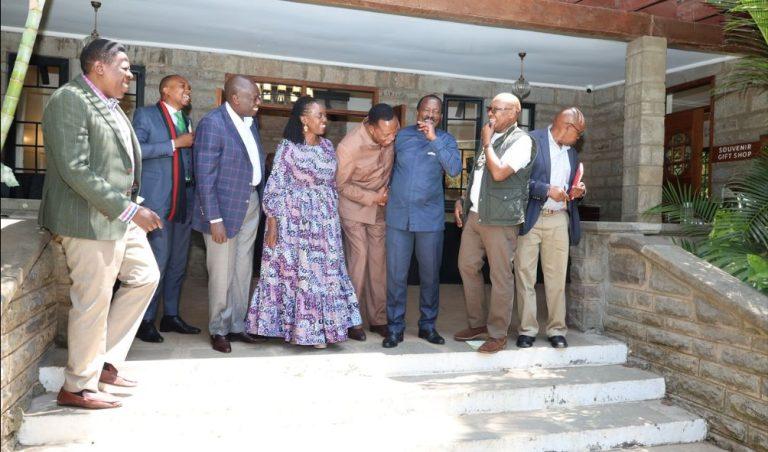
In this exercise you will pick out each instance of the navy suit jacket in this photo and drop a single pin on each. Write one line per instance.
(539, 185)
(223, 172)
(157, 159)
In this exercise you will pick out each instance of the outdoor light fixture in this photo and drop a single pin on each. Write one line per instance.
(95, 32)
(521, 88)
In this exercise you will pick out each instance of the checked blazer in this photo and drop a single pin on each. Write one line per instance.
(223, 172)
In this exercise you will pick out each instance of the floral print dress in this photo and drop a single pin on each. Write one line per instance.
(304, 294)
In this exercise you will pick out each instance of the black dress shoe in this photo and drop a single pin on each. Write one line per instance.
(392, 340)
(175, 324)
(245, 337)
(524, 341)
(356, 333)
(558, 341)
(432, 336)
(148, 333)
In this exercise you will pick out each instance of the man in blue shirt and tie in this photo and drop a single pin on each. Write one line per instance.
(416, 217)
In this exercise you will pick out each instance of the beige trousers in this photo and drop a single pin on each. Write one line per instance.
(101, 327)
(497, 243)
(366, 253)
(550, 237)
(230, 270)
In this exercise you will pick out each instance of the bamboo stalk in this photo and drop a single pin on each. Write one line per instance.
(16, 81)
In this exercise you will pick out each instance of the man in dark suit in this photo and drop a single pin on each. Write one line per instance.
(229, 164)
(90, 204)
(167, 186)
(551, 223)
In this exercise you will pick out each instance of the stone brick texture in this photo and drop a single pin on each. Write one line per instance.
(27, 330)
(715, 363)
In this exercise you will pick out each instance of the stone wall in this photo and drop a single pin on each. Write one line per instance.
(701, 328)
(34, 285)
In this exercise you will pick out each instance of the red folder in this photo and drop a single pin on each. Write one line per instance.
(577, 178)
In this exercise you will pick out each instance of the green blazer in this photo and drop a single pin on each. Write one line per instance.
(89, 180)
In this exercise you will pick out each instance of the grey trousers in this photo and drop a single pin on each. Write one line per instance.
(230, 268)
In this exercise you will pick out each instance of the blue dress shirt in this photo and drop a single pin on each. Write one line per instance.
(416, 200)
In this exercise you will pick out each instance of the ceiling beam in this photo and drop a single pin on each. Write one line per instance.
(550, 16)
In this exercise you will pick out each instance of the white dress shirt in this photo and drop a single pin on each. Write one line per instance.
(243, 127)
(560, 170)
(516, 157)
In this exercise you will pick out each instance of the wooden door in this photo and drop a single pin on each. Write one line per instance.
(683, 144)
(400, 113)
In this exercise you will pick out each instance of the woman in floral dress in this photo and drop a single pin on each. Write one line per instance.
(304, 294)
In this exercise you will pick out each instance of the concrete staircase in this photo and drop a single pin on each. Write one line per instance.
(540, 399)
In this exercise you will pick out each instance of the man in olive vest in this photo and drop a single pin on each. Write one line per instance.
(491, 213)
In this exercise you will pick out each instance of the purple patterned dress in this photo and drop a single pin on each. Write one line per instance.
(304, 294)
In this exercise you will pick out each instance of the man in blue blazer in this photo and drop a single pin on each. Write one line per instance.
(167, 186)
(551, 224)
(229, 164)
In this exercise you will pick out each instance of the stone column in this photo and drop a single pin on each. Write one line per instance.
(644, 105)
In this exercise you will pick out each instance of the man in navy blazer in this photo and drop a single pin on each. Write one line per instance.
(229, 168)
(551, 224)
(167, 186)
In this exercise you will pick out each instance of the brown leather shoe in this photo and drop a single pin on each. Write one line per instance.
(381, 330)
(245, 337)
(357, 333)
(471, 334)
(85, 399)
(493, 345)
(221, 343)
(109, 375)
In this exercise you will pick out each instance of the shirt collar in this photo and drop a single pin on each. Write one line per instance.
(239, 122)
(171, 110)
(552, 140)
(110, 102)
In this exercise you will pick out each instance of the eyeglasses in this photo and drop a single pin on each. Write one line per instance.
(496, 110)
(578, 131)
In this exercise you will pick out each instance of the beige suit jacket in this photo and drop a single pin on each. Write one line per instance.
(363, 168)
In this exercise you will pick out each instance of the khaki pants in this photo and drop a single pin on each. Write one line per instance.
(550, 236)
(498, 244)
(101, 327)
(366, 253)
(230, 269)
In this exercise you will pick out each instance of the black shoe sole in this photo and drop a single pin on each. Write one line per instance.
(173, 330)
(151, 341)
(386, 344)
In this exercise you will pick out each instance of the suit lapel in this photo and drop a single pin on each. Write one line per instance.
(101, 107)
(545, 155)
(232, 130)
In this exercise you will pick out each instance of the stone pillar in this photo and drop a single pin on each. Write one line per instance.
(644, 105)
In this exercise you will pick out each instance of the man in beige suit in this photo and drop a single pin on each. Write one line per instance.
(90, 204)
(365, 158)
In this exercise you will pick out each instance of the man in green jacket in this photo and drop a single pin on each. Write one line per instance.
(491, 214)
(90, 204)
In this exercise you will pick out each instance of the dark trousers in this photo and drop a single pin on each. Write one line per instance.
(171, 248)
(429, 253)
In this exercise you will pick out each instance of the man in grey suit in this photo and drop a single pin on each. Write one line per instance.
(89, 203)
(167, 186)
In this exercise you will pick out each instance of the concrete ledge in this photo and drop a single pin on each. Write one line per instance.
(606, 227)
(729, 293)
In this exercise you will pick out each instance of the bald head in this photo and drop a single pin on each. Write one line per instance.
(569, 125)
(243, 95)
(503, 111)
(175, 90)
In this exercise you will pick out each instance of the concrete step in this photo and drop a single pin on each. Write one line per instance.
(458, 394)
(585, 350)
(599, 427)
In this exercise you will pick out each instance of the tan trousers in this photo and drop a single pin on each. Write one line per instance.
(498, 244)
(230, 271)
(101, 327)
(366, 253)
(550, 237)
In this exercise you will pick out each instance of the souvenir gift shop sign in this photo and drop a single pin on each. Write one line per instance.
(732, 152)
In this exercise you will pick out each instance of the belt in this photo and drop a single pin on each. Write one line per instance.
(189, 183)
(550, 212)
(254, 187)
